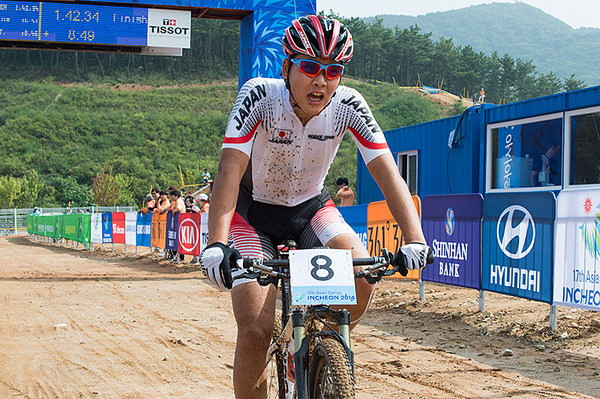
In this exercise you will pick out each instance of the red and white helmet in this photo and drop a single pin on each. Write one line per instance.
(318, 36)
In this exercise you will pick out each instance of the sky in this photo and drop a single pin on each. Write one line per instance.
(576, 13)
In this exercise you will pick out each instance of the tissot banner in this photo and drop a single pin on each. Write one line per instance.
(577, 249)
(518, 243)
(452, 227)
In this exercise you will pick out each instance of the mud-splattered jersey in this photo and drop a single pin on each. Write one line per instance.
(289, 161)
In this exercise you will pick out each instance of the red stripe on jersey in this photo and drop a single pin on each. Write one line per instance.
(366, 143)
(244, 139)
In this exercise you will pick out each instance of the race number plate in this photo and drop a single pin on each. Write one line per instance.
(322, 277)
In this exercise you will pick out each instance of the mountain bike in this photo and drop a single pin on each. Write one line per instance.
(322, 365)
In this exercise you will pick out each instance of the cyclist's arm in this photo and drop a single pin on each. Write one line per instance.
(398, 197)
(223, 198)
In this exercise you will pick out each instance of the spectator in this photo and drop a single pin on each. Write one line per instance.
(205, 176)
(155, 193)
(204, 203)
(163, 203)
(150, 204)
(345, 193)
(481, 95)
(190, 205)
(543, 172)
(36, 211)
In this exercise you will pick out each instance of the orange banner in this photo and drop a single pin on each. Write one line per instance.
(384, 232)
(159, 229)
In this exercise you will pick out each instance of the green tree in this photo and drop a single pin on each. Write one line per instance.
(10, 189)
(572, 83)
(31, 185)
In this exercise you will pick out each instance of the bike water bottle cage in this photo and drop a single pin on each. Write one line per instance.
(312, 68)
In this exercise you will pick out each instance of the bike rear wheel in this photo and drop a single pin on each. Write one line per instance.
(330, 374)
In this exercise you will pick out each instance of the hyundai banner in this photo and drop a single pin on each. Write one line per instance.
(143, 229)
(577, 249)
(451, 224)
(517, 244)
(171, 242)
(107, 228)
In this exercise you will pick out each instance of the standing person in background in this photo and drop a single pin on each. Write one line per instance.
(205, 176)
(204, 203)
(481, 95)
(542, 171)
(345, 193)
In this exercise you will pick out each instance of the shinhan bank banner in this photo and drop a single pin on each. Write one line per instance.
(518, 244)
(577, 251)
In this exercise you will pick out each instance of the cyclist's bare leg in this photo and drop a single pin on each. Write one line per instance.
(363, 288)
(254, 310)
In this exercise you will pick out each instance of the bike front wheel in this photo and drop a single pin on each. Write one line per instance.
(330, 374)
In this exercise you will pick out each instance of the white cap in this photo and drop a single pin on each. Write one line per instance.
(203, 197)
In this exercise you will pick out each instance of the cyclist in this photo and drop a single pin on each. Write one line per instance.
(280, 141)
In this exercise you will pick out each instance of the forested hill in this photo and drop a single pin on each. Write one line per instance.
(58, 138)
(518, 29)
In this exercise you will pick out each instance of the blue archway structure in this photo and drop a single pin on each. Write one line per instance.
(262, 25)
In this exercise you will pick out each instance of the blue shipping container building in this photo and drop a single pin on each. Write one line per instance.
(498, 148)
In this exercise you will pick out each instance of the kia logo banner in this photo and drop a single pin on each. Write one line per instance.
(518, 244)
(189, 234)
(451, 224)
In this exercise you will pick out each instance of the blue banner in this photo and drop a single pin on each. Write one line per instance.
(356, 217)
(107, 228)
(452, 227)
(172, 227)
(518, 244)
(143, 228)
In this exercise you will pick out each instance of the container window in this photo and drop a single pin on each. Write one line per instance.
(527, 155)
(585, 149)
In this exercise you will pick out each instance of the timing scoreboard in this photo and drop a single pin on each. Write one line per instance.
(91, 25)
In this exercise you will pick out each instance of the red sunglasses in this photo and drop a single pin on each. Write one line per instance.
(313, 68)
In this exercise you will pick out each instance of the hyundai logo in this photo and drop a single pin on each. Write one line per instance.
(520, 216)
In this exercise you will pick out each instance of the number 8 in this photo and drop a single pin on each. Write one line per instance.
(317, 267)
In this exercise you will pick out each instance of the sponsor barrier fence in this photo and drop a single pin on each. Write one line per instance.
(128, 228)
(529, 245)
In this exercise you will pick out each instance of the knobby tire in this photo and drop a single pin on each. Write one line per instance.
(330, 374)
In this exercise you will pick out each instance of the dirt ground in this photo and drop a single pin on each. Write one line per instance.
(81, 324)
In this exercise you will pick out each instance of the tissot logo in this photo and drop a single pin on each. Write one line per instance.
(517, 225)
(171, 22)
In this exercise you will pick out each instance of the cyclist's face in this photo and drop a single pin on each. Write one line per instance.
(311, 94)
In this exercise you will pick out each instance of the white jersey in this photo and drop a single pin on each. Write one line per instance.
(289, 161)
